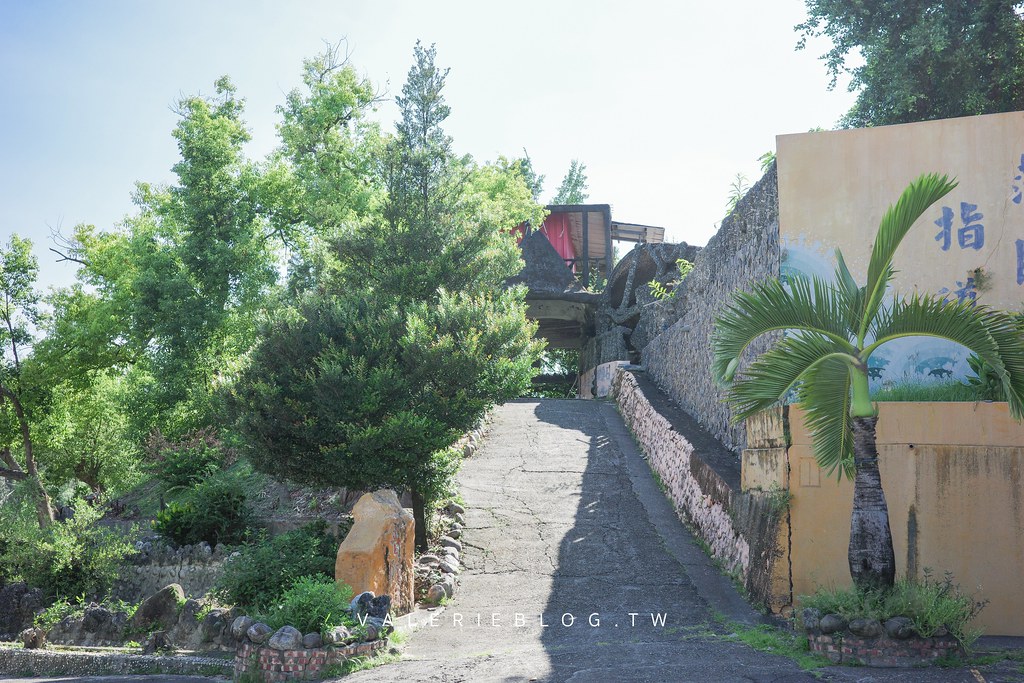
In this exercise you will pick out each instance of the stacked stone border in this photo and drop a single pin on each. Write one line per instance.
(846, 648)
(17, 661)
(272, 665)
(701, 478)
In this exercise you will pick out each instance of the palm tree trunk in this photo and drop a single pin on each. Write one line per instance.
(871, 557)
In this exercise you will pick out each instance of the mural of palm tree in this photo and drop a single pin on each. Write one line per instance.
(831, 330)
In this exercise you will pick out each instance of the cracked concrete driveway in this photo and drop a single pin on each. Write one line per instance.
(578, 570)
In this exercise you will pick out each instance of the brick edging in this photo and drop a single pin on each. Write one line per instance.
(287, 665)
(846, 648)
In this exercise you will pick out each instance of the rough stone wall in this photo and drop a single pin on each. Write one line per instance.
(678, 354)
(194, 567)
(702, 481)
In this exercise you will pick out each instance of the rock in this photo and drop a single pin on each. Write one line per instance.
(447, 542)
(240, 625)
(866, 628)
(157, 642)
(216, 626)
(455, 531)
(436, 593)
(337, 635)
(159, 609)
(460, 519)
(33, 638)
(450, 552)
(448, 583)
(258, 632)
(830, 623)
(811, 618)
(428, 559)
(96, 618)
(380, 606)
(449, 567)
(18, 604)
(374, 628)
(311, 641)
(286, 638)
(190, 612)
(360, 604)
(899, 628)
(377, 553)
(456, 509)
(940, 632)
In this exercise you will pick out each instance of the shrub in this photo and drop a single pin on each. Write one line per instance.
(311, 604)
(257, 576)
(930, 603)
(67, 558)
(215, 511)
(188, 462)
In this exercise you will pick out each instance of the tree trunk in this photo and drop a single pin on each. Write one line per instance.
(871, 557)
(419, 514)
(44, 508)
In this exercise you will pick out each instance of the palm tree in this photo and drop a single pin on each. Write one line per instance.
(832, 328)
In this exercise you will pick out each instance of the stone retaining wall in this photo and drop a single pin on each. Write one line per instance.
(272, 665)
(194, 567)
(18, 662)
(702, 480)
(678, 357)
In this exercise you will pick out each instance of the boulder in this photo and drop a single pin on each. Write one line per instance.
(899, 628)
(456, 509)
(455, 531)
(811, 618)
(436, 594)
(311, 641)
(18, 604)
(448, 542)
(360, 604)
(337, 635)
(33, 638)
(159, 609)
(379, 607)
(830, 623)
(157, 642)
(258, 632)
(377, 554)
(865, 628)
(449, 566)
(428, 559)
(286, 638)
(240, 625)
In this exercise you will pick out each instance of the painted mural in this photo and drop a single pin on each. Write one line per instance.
(835, 186)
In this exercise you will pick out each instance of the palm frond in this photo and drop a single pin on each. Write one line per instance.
(852, 294)
(813, 306)
(1008, 333)
(896, 222)
(777, 371)
(824, 394)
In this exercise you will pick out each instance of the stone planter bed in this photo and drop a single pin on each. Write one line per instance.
(868, 642)
(272, 665)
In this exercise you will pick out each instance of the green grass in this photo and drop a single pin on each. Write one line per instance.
(763, 638)
(932, 604)
(927, 392)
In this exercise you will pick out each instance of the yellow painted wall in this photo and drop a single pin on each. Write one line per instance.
(834, 187)
(952, 477)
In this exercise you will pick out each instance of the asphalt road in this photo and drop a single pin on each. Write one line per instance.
(578, 570)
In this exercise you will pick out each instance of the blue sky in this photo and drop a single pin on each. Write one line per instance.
(663, 101)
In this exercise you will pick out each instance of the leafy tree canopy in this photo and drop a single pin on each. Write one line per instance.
(922, 59)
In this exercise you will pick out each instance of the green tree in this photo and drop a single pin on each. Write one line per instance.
(19, 314)
(182, 284)
(400, 335)
(573, 189)
(922, 60)
(832, 329)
